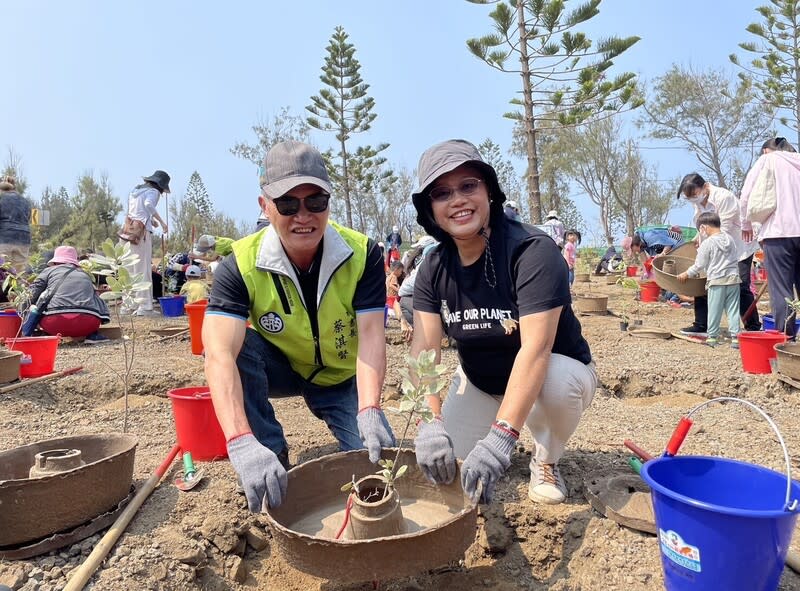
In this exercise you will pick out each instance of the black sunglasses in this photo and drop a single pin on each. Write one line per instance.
(289, 205)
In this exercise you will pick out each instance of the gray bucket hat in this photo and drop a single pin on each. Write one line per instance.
(291, 164)
(440, 159)
(160, 179)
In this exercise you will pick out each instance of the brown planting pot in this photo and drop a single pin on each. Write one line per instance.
(32, 508)
(9, 366)
(693, 287)
(591, 304)
(788, 359)
(305, 525)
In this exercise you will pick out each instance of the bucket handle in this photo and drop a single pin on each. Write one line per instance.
(683, 428)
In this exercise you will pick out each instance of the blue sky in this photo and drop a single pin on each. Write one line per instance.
(126, 88)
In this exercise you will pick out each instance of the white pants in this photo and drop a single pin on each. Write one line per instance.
(567, 391)
(144, 268)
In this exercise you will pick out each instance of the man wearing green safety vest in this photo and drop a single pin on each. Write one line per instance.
(314, 293)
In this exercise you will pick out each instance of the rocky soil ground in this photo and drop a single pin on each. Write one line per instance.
(206, 539)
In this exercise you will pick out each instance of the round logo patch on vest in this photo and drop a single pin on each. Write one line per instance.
(271, 322)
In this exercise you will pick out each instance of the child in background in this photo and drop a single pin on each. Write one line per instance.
(570, 252)
(393, 286)
(718, 257)
(195, 289)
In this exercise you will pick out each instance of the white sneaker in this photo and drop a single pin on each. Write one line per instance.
(546, 484)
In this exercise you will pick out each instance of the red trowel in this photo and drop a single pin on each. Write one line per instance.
(191, 475)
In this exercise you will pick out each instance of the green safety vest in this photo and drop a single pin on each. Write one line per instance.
(279, 313)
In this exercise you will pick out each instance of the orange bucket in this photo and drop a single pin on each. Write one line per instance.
(9, 324)
(196, 424)
(196, 312)
(649, 291)
(40, 350)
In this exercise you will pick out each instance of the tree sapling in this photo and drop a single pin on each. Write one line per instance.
(421, 379)
(123, 287)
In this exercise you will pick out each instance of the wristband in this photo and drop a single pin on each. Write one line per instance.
(506, 426)
(237, 436)
(375, 406)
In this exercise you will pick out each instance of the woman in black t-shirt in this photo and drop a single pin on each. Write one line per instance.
(502, 289)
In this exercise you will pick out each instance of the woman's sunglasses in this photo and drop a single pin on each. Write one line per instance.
(288, 205)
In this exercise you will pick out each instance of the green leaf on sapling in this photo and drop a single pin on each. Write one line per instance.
(400, 471)
(347, 487)
(108, 249)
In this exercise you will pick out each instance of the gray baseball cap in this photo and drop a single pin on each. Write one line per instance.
(290, 164)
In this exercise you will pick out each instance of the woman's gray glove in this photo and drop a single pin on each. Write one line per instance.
(261, 472)
(435, 455)
(375, 432)
(487, 462)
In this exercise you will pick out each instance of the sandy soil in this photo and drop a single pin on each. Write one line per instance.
(206, 539)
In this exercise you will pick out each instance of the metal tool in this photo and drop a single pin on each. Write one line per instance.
(191, 475)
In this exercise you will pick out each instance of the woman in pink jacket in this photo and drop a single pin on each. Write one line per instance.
(780, 232)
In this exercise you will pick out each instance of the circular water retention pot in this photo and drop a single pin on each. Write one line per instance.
(55, 461)
(440, 522)
(376, 512)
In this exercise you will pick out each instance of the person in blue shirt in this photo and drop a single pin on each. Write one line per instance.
(654, 242)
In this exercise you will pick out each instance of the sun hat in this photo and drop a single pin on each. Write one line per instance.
(440, 159)
(552, 214)
(512, 204)
(160, 179)
(291, 164)
(193, 271)
(64, 255)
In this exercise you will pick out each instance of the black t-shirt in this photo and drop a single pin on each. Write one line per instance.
(229, 292)
(531, 276)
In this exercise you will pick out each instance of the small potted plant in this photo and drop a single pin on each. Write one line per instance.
(624, 316)
(374, 501)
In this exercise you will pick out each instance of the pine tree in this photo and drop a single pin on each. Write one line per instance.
(564, 75)
(94, 209)
(197, 194)
(13, 167)
(343, 106)
(775, 67)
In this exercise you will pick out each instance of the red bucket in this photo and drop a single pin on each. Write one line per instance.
(196, 312)
(649, 291)
(757, 348)
(40, 350)
(632, 271)
(196, 424)
(9, 324)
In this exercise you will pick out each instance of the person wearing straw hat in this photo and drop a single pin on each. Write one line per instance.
(15, 225)
(502, 289)
(314, 293)
(65, 299)
(142, 206)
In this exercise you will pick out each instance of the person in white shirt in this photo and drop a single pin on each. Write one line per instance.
(142, 204)
(706, 197)
(558, 227)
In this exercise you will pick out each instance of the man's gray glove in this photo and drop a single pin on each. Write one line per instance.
(487, 462)
(375, 432)
(435, 455)
(260, 470)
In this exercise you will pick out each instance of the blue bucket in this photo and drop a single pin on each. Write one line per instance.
(722, 524)
(172, 306)
(769, 322)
